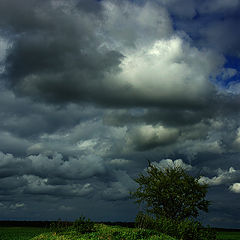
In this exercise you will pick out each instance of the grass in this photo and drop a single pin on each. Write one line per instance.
(104, 232)
(20, 233)
(228, 235)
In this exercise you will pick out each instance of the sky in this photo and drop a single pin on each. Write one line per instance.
(91, 90)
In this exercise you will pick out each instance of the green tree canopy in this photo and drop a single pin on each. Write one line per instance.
(171, 192)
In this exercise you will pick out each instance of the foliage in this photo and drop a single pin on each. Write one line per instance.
(186, 229)
(83, 225)
(171, 193)
(58, 226)
(102, 232)
(107, 232)
(144, 221)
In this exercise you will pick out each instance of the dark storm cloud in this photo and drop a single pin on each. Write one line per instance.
(11, 143)
(119, 189)
(56, 56)
(147, 137)
(55, 178)
(157, 115)
(90, 6)
(23, 118)
(69, 54)
(11, 185)
(52, 166)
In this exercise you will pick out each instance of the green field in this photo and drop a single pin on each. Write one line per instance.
(19, 233)
(103, 232)
(228, 235)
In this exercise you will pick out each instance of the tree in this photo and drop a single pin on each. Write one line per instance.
(171, 192)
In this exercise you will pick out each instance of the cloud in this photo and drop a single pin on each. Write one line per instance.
(165, 163)
(143, 24)
(14, 144)
(84, 167)
(119, 162)
(52, 166)
(235, 188)
(15, 206)
(224, 177)
(4, 45)
(169, 72)
(145, 137)
(57, 57)
(23, 118)
(65, 208)
(153, 67)
(40, 186)
(119, 189)
(11, 166)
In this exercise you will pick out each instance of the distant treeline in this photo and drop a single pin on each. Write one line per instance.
(25, 223)
(48, 223)
(226, 230)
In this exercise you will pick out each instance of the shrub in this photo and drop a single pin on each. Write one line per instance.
(187, 229)
(144, 221)
(83, 225)
(133, 235)
(58, 226)
(208, 233)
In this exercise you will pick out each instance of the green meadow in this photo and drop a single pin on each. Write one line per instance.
(228, 235)
(106, 232)
(20, 233)
(103, 232)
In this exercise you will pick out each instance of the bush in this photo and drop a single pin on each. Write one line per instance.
(187, 229)
(144, 221)
(133, 235)
(83, 225)
(58, 226)
(208, 233)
